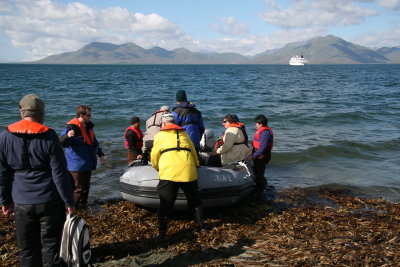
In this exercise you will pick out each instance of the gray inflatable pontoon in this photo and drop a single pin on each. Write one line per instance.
(218, 187)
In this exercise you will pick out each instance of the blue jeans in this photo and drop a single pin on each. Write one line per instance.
(39, 229)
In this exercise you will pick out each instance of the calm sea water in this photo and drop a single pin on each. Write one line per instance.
(335, 126)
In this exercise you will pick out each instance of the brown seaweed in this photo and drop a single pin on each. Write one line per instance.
(295, 230)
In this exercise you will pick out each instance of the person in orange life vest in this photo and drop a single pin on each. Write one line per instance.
(231, 146)
(81, 147)
(262, 146)
(35, 185)
(133, 140)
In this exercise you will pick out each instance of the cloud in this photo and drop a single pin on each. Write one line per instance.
(315, 13)
(46, 27)
(230, 26)
(390, 4)
(256, 44)
(379, 39)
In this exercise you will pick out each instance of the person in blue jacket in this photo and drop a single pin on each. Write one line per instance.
(81, 148)
(189, 118)
(34, 184)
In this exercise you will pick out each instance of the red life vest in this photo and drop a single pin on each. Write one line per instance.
(138, 132)
(87, 138)
(219, 143)
(27, 127)
(256, 141)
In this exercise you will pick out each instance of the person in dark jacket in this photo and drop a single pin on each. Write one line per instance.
(262, 145)
(133, 140)
(189, 118)
(34, 184)
(81, 148)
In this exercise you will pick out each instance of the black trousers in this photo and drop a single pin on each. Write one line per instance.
(214, 161)
(168, 191)
(259, 170)
(39, 229)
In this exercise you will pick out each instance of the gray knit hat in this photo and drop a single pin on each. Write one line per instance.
(32, 106)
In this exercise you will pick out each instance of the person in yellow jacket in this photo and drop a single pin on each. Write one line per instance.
(174, 156)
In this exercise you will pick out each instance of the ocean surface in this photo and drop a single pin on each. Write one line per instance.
(335, 126)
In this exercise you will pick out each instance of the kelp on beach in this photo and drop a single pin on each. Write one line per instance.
(299, 228)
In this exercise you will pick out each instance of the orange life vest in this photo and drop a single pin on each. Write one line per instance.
(256, 141)
(27, 127)
(177, 128)
(139, 143)
(87, 138)
(172, 126)
(239, 125)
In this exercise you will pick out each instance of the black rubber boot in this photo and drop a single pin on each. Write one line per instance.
(145, 158)
(162, 226)
(198, 212)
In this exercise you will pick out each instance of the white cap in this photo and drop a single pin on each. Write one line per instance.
(167, 115)
(168, 118)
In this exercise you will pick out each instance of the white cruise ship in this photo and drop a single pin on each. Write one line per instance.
(298, 61)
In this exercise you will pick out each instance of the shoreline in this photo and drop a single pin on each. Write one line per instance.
(292, 227)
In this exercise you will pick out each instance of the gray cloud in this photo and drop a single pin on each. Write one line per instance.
(379, 39)
(315, 13)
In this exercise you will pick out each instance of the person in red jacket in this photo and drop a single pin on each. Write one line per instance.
(133, 140)
(262, 145)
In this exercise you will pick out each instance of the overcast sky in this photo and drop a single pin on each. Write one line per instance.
(31, 29)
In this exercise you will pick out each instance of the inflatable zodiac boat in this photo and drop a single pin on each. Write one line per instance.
(218, 187)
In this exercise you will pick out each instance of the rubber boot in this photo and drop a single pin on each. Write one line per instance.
(84, 197)
(199, 219)
(162, 226)
(77, 199)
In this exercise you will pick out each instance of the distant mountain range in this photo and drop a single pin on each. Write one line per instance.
(321, 50)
